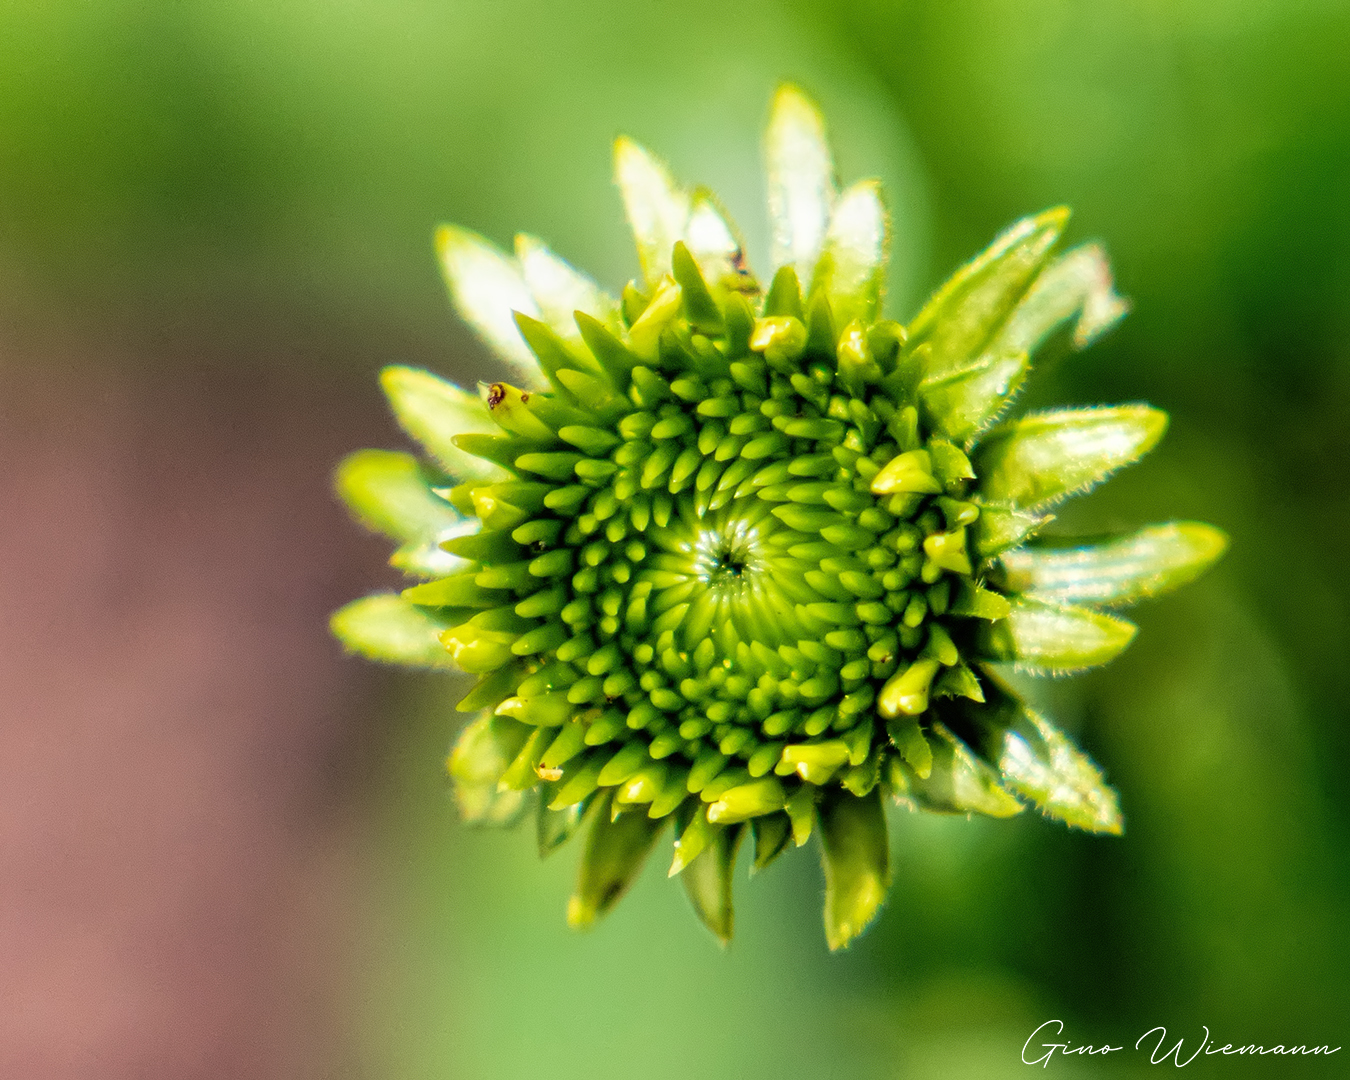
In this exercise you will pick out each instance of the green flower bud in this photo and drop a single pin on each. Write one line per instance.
(731, 556)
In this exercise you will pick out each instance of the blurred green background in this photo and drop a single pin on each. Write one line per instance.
(274, 170)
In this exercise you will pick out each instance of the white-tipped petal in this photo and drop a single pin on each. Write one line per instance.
(715, 244)
(1077, 283)
(486, 286)
(802, 187)
(852, 266)
(560, 290)
(657, 207)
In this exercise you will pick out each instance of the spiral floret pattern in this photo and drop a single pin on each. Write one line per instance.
(737, 556)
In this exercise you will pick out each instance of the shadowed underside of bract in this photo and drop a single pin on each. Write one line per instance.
(742, 555)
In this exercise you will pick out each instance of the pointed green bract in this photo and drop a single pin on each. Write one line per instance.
(657, 208)
(801, 185)
(1038, 460)
(852, 267)
(616, 848)
(1051, 638)
(855, 854)
(707, 882)
(1041, 764)
(387, 628)
(732, 557)
(1143, 564)
(486, 286)
(966, 313)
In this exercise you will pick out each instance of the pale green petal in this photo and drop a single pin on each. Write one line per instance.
(386, 627)
(486, 286)
(1077, 283)
(1052, 639)
(852, 268)
(560, 290)
(616, 848)
(965, 313)
(855, 853)
(801, 181)
(657, 208)
(390, 493)
(1038, 460)
(433, 411)
(1150, 562)
(716, 245)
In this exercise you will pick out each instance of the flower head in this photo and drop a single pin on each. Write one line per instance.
(741, 555)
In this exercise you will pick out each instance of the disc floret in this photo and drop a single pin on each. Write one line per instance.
(736, 555)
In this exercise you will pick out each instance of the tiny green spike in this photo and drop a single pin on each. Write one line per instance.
(615, 851)
(856, 857)
(728, 557)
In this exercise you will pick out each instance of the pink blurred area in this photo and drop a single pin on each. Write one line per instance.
(178, 733)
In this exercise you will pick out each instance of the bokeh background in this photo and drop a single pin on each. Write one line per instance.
(225, 849)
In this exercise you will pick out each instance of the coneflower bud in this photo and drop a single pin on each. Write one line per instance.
(740, 556)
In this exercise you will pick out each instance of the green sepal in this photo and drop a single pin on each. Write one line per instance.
(553, 828)
(433, 411)
(707, 881)
(960, 404)
(772, 833)
(481, 756)
(852, 267)
(616, 848)
(1039, 459)
(1123, 570)
(999, 528)
(855, 855)
(966, 312)
(1052, 639)
(959, 781)
(388, 628)
(1042, 765)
